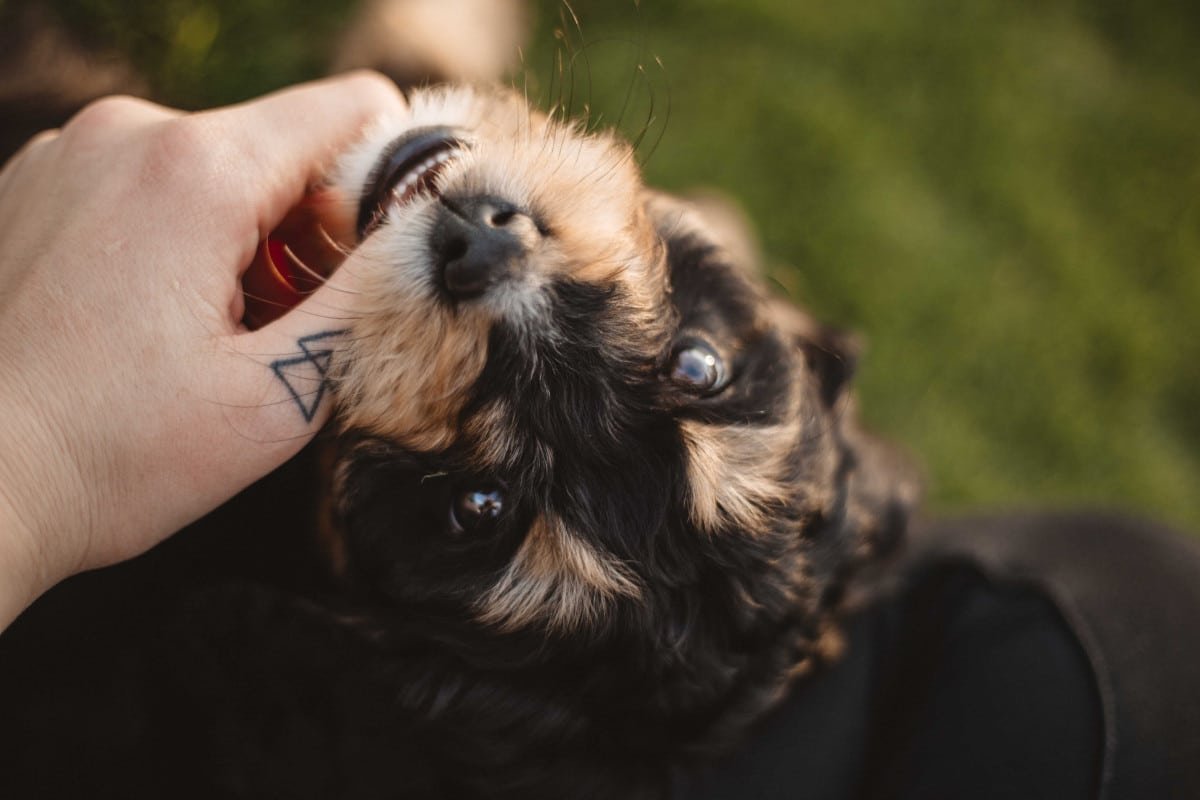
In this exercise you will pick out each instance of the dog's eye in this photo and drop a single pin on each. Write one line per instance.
(473, 509)
(697, 368)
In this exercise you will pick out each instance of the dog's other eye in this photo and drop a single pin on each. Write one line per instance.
(697, 368)
(473, 509)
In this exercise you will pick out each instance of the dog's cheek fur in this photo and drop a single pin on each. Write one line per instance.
(404, 370)
(557, 579)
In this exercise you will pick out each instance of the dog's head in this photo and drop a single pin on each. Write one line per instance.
(570, 414)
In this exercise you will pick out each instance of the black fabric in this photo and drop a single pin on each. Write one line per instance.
(1130, 591)
(957, 686)
(987, 695)
(1028, 656)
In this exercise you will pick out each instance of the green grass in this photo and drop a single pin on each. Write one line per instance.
(1003, 195)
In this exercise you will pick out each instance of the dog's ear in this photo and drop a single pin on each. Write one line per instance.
(882, 486)
(831, 353)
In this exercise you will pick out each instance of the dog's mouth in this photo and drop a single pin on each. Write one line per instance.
(408, 167)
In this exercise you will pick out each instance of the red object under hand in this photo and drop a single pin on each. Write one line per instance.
(294, 259)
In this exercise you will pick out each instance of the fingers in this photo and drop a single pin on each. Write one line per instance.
(289, 137)
(110, 120)
(276, 380)
(265, 394)
(88, 149)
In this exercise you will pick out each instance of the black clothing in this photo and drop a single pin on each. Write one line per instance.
(1047, 656)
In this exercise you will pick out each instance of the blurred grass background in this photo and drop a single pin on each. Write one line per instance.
(1003, 195)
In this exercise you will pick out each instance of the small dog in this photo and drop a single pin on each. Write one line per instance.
(598, 492)
(593, 496)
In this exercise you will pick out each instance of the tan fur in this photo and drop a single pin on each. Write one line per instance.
(727, 484)
(491, 430)
(738, 474)
(409, 386)
(557, 580)
(585, 190)
(410, 359)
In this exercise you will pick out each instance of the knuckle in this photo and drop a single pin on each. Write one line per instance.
(374, 88)
(180, 143)
(107, 115)
(184, 149)
(43, 138)
(35, 144)
(199, 154)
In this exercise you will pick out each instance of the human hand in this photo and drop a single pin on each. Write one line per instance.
(133, 399)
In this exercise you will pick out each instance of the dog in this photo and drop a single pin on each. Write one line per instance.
(598, 492)
(590, 505)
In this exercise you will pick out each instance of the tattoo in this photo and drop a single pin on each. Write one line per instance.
(315, 354)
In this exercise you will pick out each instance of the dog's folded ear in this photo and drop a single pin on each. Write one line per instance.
(711, 217)
(832, 355)
(881, 482)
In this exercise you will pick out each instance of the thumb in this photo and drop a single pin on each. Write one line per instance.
(275, 382)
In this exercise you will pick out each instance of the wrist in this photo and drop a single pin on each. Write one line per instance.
(35, 513)
(22, 576)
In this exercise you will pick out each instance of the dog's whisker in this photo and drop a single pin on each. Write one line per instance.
(334, 244)
(317, 277)
(285, 401)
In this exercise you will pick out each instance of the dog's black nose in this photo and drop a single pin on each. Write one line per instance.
(478, 242)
